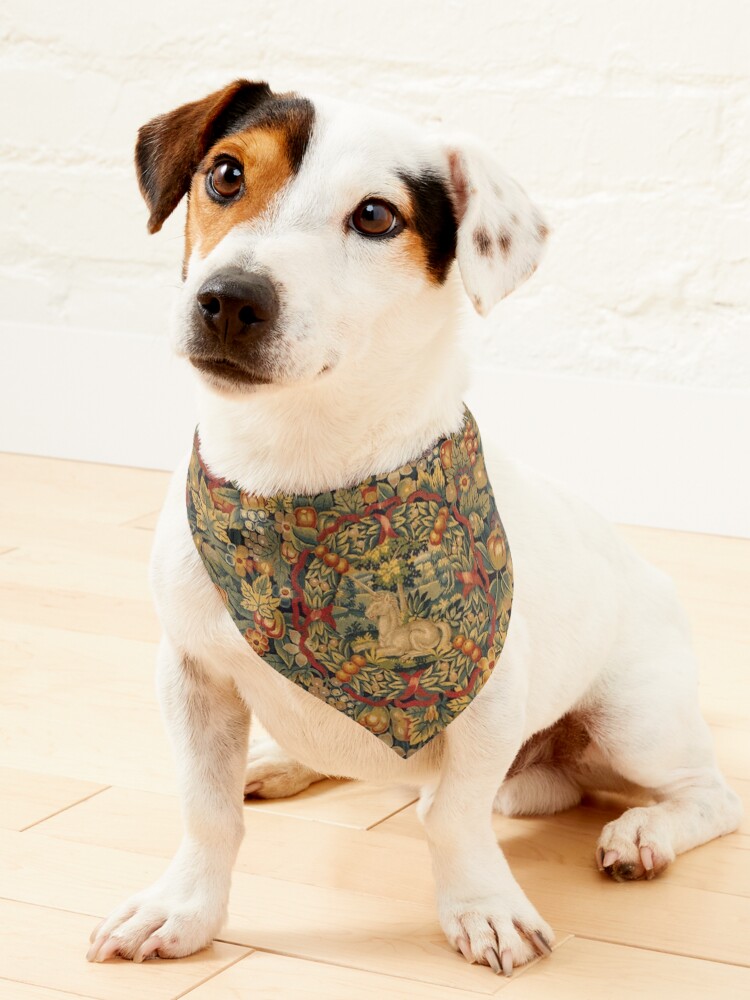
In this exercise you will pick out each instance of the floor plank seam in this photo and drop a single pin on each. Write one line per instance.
(395, 812)
(665, 951)
(70, 805)
(65, 909)
(219, 972)
(56, 989)
(330, 963)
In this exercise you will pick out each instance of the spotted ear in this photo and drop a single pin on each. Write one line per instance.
(170, 147)
(501, 234)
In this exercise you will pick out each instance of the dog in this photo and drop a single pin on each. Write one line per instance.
(327, 250)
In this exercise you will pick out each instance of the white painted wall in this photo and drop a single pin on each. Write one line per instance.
(628, 122)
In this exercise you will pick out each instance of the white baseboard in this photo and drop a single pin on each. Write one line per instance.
(657, 455)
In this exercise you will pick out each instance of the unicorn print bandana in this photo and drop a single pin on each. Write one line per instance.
(389, 600)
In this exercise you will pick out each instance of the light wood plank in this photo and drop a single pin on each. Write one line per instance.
(79, 611)
(26, 991)
(27, 798)
(70, 702)
(45, 948)
(77, 535)
(83, 491)
(357, 804)
(584, 968)
(44, 564)
(147, 522)
(276, 977)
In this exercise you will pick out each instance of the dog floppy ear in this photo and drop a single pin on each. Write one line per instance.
(501, 234)
(170, 147)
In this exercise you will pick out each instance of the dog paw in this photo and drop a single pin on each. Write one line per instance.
(491, 932)
(271, 774)
(636, 845)
(150, 925)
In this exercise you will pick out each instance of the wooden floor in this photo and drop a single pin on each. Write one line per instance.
(332, 895)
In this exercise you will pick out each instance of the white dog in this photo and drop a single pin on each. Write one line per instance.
(320, 308)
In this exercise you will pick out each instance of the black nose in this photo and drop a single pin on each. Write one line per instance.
(234, 305)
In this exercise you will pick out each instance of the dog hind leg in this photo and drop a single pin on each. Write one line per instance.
(539, 790)
(654, 736)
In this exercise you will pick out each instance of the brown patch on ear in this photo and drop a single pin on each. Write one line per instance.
(482, 242)
(170, 147)
(459, 184)
(264, 154)
(542, 231)
(504, 241)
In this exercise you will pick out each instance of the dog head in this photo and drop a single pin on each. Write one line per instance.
(321, 235)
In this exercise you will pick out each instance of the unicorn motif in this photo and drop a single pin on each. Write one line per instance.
(397, 635)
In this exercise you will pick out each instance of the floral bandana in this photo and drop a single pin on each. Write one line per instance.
(389, 600)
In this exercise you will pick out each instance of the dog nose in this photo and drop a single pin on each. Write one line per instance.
(234, 305)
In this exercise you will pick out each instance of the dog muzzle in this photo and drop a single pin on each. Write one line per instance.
(389, 600)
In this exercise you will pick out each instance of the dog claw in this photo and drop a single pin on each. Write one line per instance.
(149, 949)
(463, 947)
(94, 949)
(647, 860)
(95, 933)
(600, 858)
(506, 962)
(609, 858)
(107, 950)
(541, 943)
(493, 961)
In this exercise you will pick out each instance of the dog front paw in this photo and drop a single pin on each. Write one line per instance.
(155, 924)
(497, 932)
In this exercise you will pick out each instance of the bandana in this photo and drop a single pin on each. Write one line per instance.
(389, 600)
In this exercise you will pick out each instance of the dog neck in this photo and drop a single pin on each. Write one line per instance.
(338, 429)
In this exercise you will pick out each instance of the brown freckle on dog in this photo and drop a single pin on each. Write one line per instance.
(482, 242)
(504, 241)
(542, 231)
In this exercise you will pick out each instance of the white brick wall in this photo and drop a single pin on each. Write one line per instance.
(629, 122)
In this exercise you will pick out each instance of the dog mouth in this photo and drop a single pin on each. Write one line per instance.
(224, 370)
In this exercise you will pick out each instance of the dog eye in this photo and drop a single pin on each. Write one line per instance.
(374, 217)
(224, 181)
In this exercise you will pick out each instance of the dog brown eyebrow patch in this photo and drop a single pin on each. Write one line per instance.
(270, 150)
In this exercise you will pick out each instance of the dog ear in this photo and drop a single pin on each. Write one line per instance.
(170, 147)
(501, 234)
